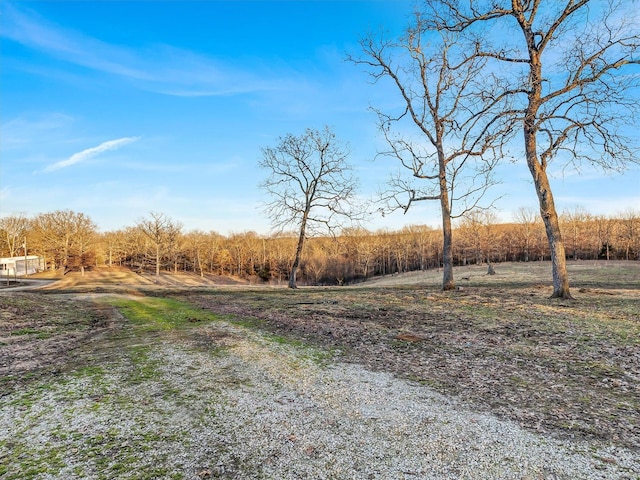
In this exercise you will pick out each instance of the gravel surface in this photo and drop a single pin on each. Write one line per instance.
(248, 406)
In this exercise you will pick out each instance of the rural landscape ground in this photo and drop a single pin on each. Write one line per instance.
(118, 375)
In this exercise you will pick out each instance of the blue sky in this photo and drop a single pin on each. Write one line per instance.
(116, 109)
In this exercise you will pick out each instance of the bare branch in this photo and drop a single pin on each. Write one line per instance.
(455, 111)
(310, 184)
(575, 99)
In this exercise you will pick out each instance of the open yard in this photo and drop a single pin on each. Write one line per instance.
(393, 378)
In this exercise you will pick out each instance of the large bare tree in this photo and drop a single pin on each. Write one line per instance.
(311, 185)
(67, 237)
(14, 230)
(161, 231)
(566, 63)
(445, 133)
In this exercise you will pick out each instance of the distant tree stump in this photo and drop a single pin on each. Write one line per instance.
(491, 270)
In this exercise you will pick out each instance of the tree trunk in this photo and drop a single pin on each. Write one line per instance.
(199, 264)
(296, 260)
(447, 244)
(554, 235)
(538, 171)
(157, 260)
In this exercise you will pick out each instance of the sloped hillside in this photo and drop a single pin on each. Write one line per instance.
(121, 276)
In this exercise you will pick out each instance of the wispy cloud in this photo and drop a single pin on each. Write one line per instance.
(159, 68)
(91, 152)
(26, 130)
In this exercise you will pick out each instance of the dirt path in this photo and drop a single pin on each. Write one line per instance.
(23, 285)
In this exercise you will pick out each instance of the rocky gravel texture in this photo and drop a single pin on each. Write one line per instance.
(570, 370)
(390, 380)
(222, 401)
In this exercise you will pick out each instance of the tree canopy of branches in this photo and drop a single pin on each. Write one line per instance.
(354, 255)
(162, 232)
(14, 232)
(565, 65)
(65, 236)
(310, 184)
(459, 134)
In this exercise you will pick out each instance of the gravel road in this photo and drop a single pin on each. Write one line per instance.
(248, 406)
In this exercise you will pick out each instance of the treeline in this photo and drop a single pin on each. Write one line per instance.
(71, 241)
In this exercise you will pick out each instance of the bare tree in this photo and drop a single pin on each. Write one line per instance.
(572, 223)
(84, 243)
(479, 232)
(195, 243)
(174, 241)
(311, 185)
(458, 135)
(566, 62)
(66, 236)
(526, 219)
(162, 232)
(113, 246)
(630, 224)
(14, 230)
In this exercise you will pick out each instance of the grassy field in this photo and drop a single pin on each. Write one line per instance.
(569, 369)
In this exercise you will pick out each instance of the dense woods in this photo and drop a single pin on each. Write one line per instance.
(70, 241)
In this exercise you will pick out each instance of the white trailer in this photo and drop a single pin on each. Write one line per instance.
(21, 266)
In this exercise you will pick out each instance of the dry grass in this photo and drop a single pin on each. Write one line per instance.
(570, 368)
(114, 279)
(38, 334)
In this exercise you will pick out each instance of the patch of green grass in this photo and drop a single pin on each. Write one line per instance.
(26, 461)
(109, 453)
(39, 334)
(304, 350)
(144, 368)
(89, 370)
(161, 314)
(113, 454)
(29, 397)
(282, 340)
(25, 331)
(319, 357)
